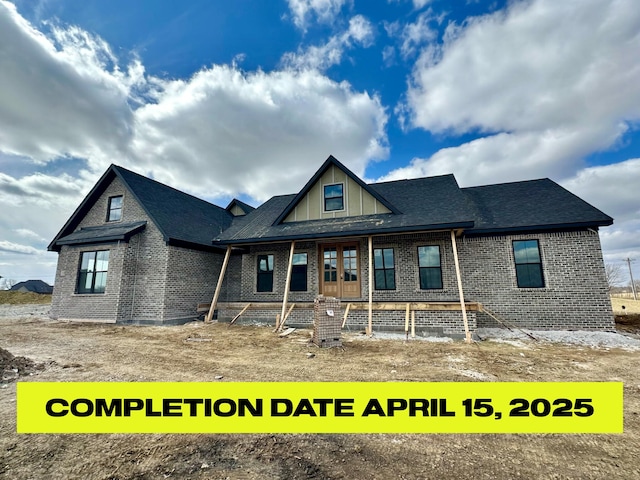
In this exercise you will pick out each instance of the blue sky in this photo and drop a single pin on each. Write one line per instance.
(247, 99)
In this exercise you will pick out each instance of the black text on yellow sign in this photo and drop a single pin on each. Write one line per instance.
(320, 407)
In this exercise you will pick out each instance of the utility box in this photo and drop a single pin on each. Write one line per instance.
(327, 322)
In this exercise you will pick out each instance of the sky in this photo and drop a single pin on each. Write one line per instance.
(248, 98)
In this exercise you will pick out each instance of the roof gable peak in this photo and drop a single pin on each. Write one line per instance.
(332, 162)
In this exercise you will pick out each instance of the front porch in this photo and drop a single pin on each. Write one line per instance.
(419, 318)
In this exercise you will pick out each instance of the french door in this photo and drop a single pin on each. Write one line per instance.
(340, 270)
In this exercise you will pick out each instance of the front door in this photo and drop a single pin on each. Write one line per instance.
(340, 272)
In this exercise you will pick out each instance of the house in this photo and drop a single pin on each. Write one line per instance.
(35, 286)
(455, 258)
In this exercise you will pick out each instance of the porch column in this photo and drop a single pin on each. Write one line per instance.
(214, 302)
(287, 284)
(370, 324)
(460, 292)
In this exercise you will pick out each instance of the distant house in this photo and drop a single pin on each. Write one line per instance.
(35, 286)
(454, 258)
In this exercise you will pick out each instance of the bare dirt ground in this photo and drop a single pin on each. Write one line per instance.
(91, 352)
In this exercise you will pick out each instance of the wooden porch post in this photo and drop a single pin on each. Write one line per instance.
(370, 324)
(460, 292)
(214, 302)
(287, 284)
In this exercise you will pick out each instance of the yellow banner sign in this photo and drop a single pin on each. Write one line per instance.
(320, 407)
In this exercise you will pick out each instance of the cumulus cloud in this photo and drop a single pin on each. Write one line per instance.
(325, 11)
(60, 95)
(222, 132)
(17, 248)
(543, 83)
(613, 189)
(359, 33)
(226, 131)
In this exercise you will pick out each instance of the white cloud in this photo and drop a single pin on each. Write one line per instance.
(564, 63)
(360, 32)
(231, 126)
(17, 248)
(30, 234)
(60, 96)
(614, 190)
(325, 11)
(227, 131)
(545, 82)
(416, 34)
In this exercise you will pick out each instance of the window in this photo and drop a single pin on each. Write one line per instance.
(92, 277)
(429, 266)
(333, 197)
(299, 273)
(528, 264)
(384, 269)
(265, 273)
(115, 209)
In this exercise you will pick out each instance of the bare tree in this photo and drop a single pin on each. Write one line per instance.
(613, 271)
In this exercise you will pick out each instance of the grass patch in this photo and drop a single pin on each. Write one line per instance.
(22, 298)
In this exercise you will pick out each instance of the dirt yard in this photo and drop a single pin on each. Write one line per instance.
(198, 352)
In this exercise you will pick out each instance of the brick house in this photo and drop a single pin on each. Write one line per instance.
(456, 258)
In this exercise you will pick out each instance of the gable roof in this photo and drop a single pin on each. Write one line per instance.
(531, 205)
(245, 207)
(36, 286)
(432, 203)
(183, 219)
(331, 160)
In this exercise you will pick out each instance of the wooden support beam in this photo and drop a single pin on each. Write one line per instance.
(370, 323)
(287, 315)
(238, 315)
(223, 270)
(413, 324)
(287, 284)
(346, 314)
(406, 320)
(460, 292)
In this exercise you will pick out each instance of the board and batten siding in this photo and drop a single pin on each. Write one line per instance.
(357, 201)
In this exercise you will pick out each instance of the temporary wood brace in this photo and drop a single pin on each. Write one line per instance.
(413, 324)
(504, 323)
(238, 315)
(286, 316)
(286, 288)
(216, 295)
(346, 314)
(406, 320)
(460, 292)
(370, 324)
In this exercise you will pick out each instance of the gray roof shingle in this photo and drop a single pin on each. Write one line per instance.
(431, 203)
(181, 218)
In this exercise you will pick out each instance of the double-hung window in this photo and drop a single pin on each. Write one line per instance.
(528, 263)
(384, 269)
(265, 273)
(114, 212)
(333, 197)
(430, 267)
(92, 275)
(299, 273)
